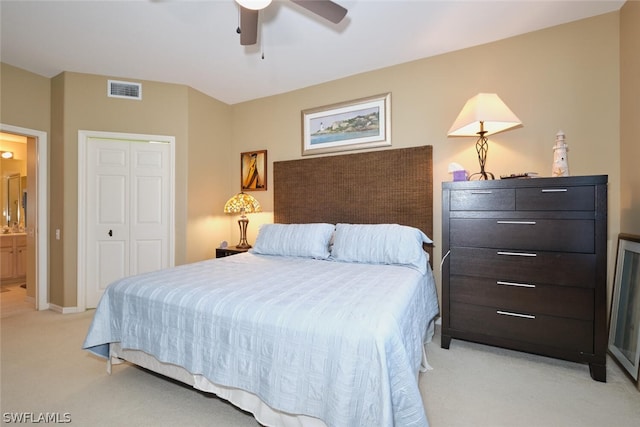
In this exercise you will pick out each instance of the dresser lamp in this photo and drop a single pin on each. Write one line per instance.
(242, 203)
(483, 115)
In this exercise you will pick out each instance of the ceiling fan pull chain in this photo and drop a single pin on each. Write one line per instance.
(238, 30)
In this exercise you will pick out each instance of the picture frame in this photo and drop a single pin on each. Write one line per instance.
(358, 124)
(624, 328)
(253, 170)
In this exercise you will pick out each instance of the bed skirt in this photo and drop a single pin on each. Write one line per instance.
(244, 400)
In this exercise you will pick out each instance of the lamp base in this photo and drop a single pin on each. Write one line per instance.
(243, 222)
(483, 175)
(482, 147)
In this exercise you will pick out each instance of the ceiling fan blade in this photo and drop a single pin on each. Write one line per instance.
(248, 26)
(325, 8)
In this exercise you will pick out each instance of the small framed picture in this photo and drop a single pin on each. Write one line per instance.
(352, 125)
(253, 170)
(624, 330)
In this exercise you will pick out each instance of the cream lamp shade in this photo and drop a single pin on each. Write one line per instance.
(484, 114)
(242, 203)
(486, 109)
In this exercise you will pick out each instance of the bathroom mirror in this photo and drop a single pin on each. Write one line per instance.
(13, 203)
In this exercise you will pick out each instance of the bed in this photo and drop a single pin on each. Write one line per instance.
(322, 323)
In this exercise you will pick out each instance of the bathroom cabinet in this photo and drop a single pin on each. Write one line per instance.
(13, 257)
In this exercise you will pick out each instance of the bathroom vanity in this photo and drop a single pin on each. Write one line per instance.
(13, 257)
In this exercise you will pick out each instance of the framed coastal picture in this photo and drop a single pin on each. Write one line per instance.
(352, 125)
(624, 330)
(253, 170)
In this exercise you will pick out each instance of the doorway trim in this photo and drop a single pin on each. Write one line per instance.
(83, 139)
(42, 224)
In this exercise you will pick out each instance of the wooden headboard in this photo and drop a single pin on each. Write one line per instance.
(378, 187)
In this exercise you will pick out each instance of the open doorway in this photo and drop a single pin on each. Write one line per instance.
(29, 222)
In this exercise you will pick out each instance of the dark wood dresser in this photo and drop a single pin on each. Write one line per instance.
(526, 266)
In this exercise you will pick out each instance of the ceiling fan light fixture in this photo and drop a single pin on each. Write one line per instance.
(254, 4)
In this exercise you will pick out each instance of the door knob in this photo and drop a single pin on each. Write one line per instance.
(110, 233)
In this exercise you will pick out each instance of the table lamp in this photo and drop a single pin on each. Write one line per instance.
(242, 203)
(483, 115)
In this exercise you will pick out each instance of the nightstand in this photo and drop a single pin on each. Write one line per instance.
(526, 266)
(228, 251)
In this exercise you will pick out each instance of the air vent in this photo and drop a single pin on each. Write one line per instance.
(128, 90)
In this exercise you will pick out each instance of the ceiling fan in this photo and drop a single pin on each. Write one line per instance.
(249, 10)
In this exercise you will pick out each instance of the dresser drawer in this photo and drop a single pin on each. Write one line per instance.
(494, 199)
(556, 199)
(576, 303)
(575, 235)
(559, 332)
(541, 268)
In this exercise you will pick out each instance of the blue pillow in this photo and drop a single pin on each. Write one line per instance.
(298, 240)
(381, 244)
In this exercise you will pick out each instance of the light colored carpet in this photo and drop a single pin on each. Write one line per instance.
(43, 369)
(13, 299)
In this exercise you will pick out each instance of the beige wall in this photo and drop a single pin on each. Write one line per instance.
(56, 193)
(566, 77)
(209, 181)
(629, 118)
(551, 79)
(629, 123)
(80, 102)
(25, 99)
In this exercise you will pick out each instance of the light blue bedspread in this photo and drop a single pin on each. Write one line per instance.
(338, 341)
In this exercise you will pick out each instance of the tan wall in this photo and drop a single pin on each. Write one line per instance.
(209, 181)
(566, 77)
(56, 192)
(629, 123)
(164, 110)
(629, 115)
(25, 99)
(551, 79)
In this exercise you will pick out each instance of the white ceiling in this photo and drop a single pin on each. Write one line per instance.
(195, 42)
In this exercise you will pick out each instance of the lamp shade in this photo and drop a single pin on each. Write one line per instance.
(242, 203)
(486, 109)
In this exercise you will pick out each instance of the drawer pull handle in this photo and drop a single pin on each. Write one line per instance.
(508, 313)
(554, 190)
(519, 285)
(516, 253)
(481, 192)
(517, 222)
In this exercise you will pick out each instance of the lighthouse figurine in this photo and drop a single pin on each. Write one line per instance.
(560, 164)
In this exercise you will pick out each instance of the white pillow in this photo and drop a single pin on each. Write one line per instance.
(300, 240)
(381, 244)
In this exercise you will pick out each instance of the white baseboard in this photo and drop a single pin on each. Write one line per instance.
(64, 310)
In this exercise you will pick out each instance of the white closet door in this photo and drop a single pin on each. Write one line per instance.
(107, 199)
(127, 222)
(149, 229)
